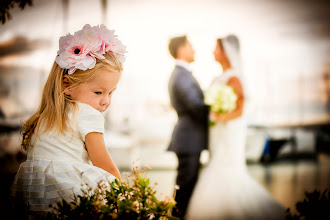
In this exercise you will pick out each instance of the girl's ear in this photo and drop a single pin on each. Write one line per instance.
(66, 85)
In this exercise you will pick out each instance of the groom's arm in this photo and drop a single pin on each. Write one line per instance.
(192, 98)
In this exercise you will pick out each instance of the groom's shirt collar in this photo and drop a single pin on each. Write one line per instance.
(183, 64)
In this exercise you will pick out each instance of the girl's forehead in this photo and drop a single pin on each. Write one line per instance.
(104, 79)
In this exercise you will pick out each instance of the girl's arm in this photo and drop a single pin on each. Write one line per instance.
(99, 154)
(235, 83)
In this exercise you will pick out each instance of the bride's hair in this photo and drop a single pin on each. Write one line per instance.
(231, 46)
(230, 39)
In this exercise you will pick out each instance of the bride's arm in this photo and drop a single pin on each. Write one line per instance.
(235, 83)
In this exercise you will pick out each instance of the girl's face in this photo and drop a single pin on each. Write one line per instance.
(96, 92)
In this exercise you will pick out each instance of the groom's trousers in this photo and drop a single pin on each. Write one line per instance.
(188, 170)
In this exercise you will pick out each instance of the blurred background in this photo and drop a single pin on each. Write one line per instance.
(285, 48)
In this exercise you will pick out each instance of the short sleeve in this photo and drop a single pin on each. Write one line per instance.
(89, 120)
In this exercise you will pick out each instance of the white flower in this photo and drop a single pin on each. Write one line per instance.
(221, 98)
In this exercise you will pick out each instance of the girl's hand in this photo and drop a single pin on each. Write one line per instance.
(99, 154)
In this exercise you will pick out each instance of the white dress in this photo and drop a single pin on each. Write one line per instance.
(225, 190)
(58, 166)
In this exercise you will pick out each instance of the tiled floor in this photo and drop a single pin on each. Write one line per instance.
(287, 181)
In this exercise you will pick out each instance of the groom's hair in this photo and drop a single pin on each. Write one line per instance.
(175, 43)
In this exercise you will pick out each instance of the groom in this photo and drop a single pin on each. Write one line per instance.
(190, 134)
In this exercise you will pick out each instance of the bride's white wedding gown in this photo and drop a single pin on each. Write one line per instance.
(225, 190)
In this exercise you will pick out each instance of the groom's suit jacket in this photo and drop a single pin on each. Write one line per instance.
(190, 134)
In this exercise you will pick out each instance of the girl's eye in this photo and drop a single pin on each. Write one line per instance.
(110, 93)
(98, 93)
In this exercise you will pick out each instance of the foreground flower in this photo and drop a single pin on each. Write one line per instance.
(131, 198)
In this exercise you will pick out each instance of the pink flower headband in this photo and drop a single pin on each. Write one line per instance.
(79, 51)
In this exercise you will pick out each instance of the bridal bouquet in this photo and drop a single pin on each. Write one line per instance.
(221, 99)
(129, 198)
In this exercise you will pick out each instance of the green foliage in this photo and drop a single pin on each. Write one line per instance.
(6, 5)
(212, 123)
(315, 206)
(128, 198)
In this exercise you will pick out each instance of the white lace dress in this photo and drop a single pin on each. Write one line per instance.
(58, 166)
(225, 190)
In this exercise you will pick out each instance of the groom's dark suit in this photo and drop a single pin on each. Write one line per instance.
(190, 135)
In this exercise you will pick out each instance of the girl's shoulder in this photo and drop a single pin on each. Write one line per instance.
(85, 109)
(88, 120)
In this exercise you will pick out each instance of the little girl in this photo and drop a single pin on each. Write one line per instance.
(64, 138)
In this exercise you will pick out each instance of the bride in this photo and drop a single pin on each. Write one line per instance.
(225, 190)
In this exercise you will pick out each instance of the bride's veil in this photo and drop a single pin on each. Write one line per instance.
(231, 46)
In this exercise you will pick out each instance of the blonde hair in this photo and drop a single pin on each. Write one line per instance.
(52, 113)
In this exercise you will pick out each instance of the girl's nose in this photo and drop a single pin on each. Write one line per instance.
(106, 101)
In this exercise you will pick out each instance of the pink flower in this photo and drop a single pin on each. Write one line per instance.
(110, 42)
(79, 51)
(118, 49)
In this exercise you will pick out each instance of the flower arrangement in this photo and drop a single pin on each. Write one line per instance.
(221, 98)
(128, 198)
(79, 51)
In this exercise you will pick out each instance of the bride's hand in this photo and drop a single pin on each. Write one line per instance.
(218, 117)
